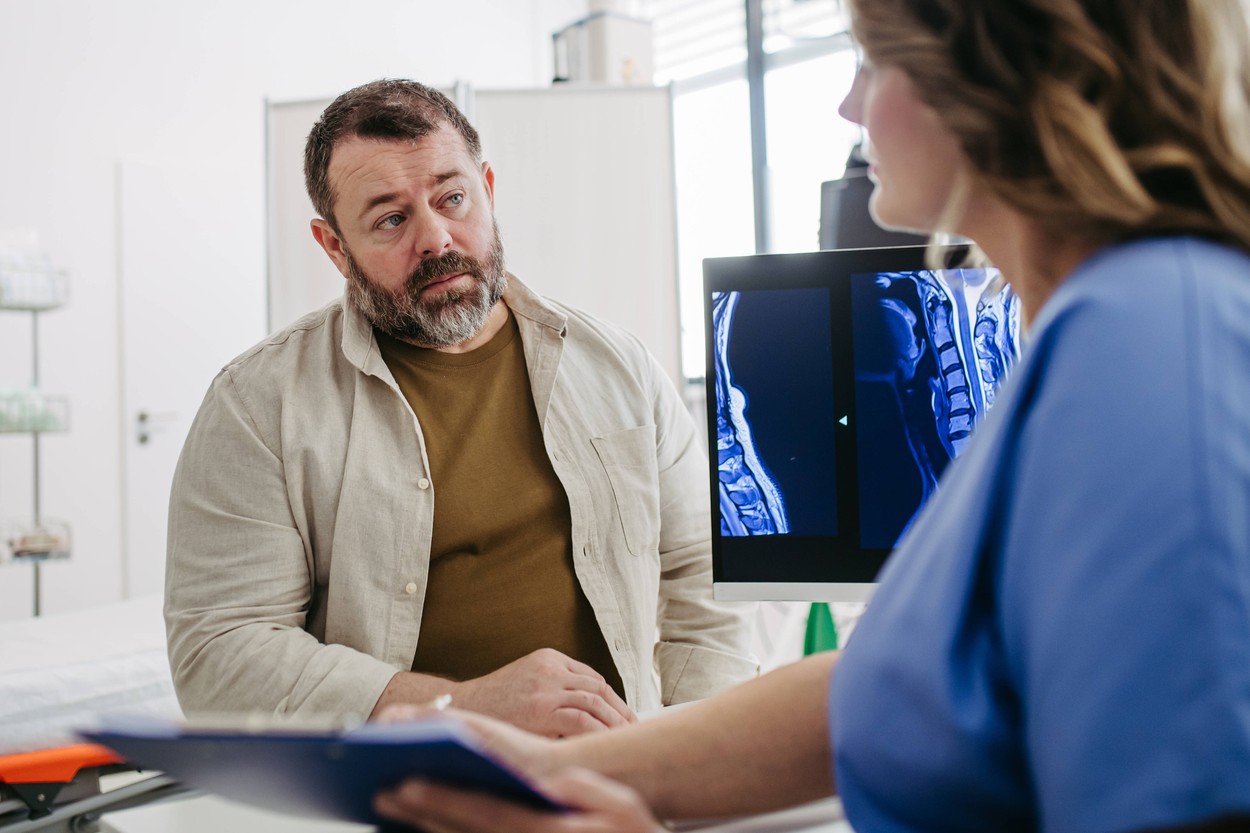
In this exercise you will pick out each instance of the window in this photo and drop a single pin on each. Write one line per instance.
(808, 143)
(701, 49)
(712, 145)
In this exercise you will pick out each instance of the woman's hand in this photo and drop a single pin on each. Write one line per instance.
(595, 805)
(523, 752)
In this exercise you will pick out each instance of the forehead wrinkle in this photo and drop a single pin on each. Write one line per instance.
(379, 171)
(387, 177)
(396, 196)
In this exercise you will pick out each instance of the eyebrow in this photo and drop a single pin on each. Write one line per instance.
(392, 196)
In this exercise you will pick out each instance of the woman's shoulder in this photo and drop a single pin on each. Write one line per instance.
(1157, 295)
(1148, 267)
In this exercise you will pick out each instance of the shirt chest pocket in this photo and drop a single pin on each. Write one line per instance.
(628, 458)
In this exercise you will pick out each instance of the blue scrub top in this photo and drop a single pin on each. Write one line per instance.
(1062, 641)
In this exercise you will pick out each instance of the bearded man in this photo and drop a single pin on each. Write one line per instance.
(443, 483)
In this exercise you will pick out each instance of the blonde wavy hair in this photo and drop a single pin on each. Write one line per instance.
(1101, 119)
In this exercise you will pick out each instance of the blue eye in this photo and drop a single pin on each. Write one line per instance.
(455, 199)
(392, 220)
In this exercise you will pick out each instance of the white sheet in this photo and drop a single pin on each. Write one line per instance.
(61, 672)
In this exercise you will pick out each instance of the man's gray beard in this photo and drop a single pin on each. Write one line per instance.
(451, 317)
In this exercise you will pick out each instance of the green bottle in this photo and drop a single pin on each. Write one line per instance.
(822, 633)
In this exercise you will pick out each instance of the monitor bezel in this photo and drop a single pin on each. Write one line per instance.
(851, 577)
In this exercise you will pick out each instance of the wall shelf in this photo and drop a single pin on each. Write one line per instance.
(48, 540)
(32, 285)
(30, 412)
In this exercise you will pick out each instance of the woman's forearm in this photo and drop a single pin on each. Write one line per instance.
(757, 747)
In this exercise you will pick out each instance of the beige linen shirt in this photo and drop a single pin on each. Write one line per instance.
(302, 508)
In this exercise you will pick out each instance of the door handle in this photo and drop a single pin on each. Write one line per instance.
(149, 422)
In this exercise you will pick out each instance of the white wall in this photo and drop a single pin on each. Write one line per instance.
(84, 85)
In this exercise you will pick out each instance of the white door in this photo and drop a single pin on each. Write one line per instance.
(192, 289)
(301, 277)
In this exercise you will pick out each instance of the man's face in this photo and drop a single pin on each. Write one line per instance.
(418, 314)
(418, 242)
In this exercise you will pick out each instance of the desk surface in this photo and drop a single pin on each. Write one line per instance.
(210, 814)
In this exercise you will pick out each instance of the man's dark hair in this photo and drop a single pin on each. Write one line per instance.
(390, 109)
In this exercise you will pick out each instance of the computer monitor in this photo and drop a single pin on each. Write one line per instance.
(845, 221)
(840, 384)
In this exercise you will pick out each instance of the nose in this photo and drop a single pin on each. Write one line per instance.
(851, 107)
(433, 236)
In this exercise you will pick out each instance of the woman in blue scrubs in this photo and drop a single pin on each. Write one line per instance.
(1062, 640)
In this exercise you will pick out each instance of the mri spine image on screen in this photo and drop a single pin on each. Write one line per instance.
(969, 320)
(750, 500)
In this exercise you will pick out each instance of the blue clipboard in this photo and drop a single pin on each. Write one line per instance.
(324, 773)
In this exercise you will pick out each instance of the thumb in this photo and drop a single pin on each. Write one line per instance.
(405, 712)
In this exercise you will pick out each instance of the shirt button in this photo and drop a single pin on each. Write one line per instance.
(410, 588)
(423, 483)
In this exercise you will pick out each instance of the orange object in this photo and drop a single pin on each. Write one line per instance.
(53, 766)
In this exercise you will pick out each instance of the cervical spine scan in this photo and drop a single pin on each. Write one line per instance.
(970, 319)
(930, 352)
(751, 503)
(941, 344)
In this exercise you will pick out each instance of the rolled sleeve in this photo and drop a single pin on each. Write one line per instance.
(704, 645)
(692, 672)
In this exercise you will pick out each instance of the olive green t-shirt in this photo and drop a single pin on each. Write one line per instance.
(501, 580)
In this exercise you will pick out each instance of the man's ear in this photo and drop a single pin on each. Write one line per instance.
(331, 242)
(488, 178)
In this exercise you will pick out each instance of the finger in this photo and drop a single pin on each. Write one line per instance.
(404, 712)
(592, 703)
(582, 669)
(566, 722)
(583, 789)
(586, 678)
(435, 807)
(600, 803)
(606, 693)
(513, 746)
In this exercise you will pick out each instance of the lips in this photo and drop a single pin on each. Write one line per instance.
(443, 273)
(443, 280)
